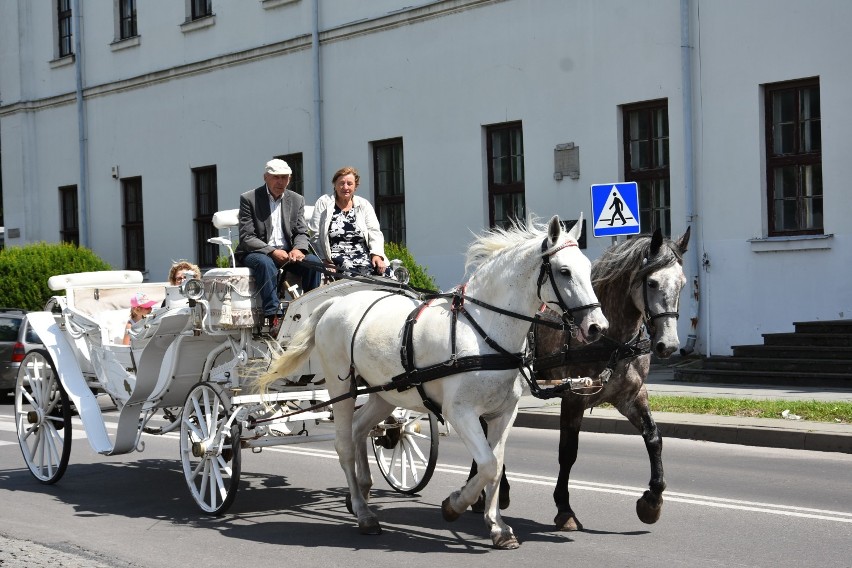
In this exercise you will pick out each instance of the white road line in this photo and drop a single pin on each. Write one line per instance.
(7, 424)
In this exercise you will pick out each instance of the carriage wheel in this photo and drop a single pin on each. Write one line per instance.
(406, 449)
(209, 452)
(42, 417)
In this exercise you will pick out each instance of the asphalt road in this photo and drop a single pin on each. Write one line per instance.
(726, 506)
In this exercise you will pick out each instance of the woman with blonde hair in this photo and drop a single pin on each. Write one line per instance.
(178, 272)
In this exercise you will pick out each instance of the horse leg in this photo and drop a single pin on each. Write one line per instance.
(343, 410)
(505, 500)
(570, 419)
(489, 467)
(649, 506)
(374, 411)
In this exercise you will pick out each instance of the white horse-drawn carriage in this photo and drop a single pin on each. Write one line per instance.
(188, 368)
(192, 362)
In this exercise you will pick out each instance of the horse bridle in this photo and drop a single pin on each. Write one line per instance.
(649, 317)
(546, 272)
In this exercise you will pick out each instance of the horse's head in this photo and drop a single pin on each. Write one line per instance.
(565, 283)
(656, 291)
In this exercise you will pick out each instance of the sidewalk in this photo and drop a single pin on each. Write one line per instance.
(773, 433)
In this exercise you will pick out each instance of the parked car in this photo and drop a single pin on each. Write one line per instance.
(17, 338)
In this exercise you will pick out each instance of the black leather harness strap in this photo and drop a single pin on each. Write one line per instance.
(413, 377)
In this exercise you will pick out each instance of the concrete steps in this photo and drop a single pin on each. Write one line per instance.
(816, 354)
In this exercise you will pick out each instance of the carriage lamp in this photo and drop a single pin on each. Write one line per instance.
(400, 272)
(193, 289)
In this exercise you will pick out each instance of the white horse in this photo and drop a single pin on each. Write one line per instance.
(364, 335)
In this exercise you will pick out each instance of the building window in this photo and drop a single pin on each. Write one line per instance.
(297, 178)
(64, 27)
(134, 229)
(794, 158)
(389, 189)
(200, 9)
(206, 203)
(505, 153)
(69, 227)
(127, 19)
(646, 161)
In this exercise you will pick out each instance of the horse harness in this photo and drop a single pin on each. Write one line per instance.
(414, 377)
(606, 349)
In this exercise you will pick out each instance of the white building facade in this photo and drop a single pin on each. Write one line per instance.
(124, 125)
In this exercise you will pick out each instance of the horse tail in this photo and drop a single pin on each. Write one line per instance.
(296, 352)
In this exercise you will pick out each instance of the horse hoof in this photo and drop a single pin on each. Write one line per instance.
(649, 507)
(349, 504)
(567, 522)
(447, 511)
(369, 526)
(506, 542)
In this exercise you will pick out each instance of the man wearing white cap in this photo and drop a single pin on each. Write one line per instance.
(273, 232)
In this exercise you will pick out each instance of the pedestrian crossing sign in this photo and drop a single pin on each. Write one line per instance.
(615, 209)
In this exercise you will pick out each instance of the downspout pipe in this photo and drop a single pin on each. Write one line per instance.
(691, 260)
(318, 148)
(82, 147)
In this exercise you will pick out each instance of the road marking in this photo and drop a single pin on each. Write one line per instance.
(7, 424)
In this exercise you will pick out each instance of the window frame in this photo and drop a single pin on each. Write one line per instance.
(798, 158)
(297, 178)
(127, 23)
(654, 209)
(69, 222)
(64, 41)
(202, 220)
(195, 10)
(515, 187)
(133, 223)
(392, 201)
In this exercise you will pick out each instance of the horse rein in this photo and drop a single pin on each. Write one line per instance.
(413, 377)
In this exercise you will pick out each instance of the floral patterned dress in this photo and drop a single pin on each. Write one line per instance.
(348, 245)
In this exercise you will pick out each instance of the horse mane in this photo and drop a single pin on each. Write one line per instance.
(492, 242)
(626, 261)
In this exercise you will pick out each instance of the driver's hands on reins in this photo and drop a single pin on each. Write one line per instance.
(282, 257)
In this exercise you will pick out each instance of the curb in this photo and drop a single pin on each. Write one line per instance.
(769, 437)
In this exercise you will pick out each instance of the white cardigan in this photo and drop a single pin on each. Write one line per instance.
(365, 220)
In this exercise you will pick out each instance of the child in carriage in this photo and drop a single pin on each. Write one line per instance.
(140, 306)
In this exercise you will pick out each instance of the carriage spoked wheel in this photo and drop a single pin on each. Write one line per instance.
(406, 449)
(209, 450)
(42, 417)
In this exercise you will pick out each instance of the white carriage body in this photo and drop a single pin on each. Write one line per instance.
(178, 345)
(190, 366)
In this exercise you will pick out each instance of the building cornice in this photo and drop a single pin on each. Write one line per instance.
(404, 17)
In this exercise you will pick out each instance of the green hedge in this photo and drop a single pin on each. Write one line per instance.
(24, 271)
(419, 277)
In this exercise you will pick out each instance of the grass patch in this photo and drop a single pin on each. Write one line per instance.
(813, 410)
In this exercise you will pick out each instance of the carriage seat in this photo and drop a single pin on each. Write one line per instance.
(229, 218)
(110, 306)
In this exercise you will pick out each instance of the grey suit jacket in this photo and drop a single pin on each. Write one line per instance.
(256, 224)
